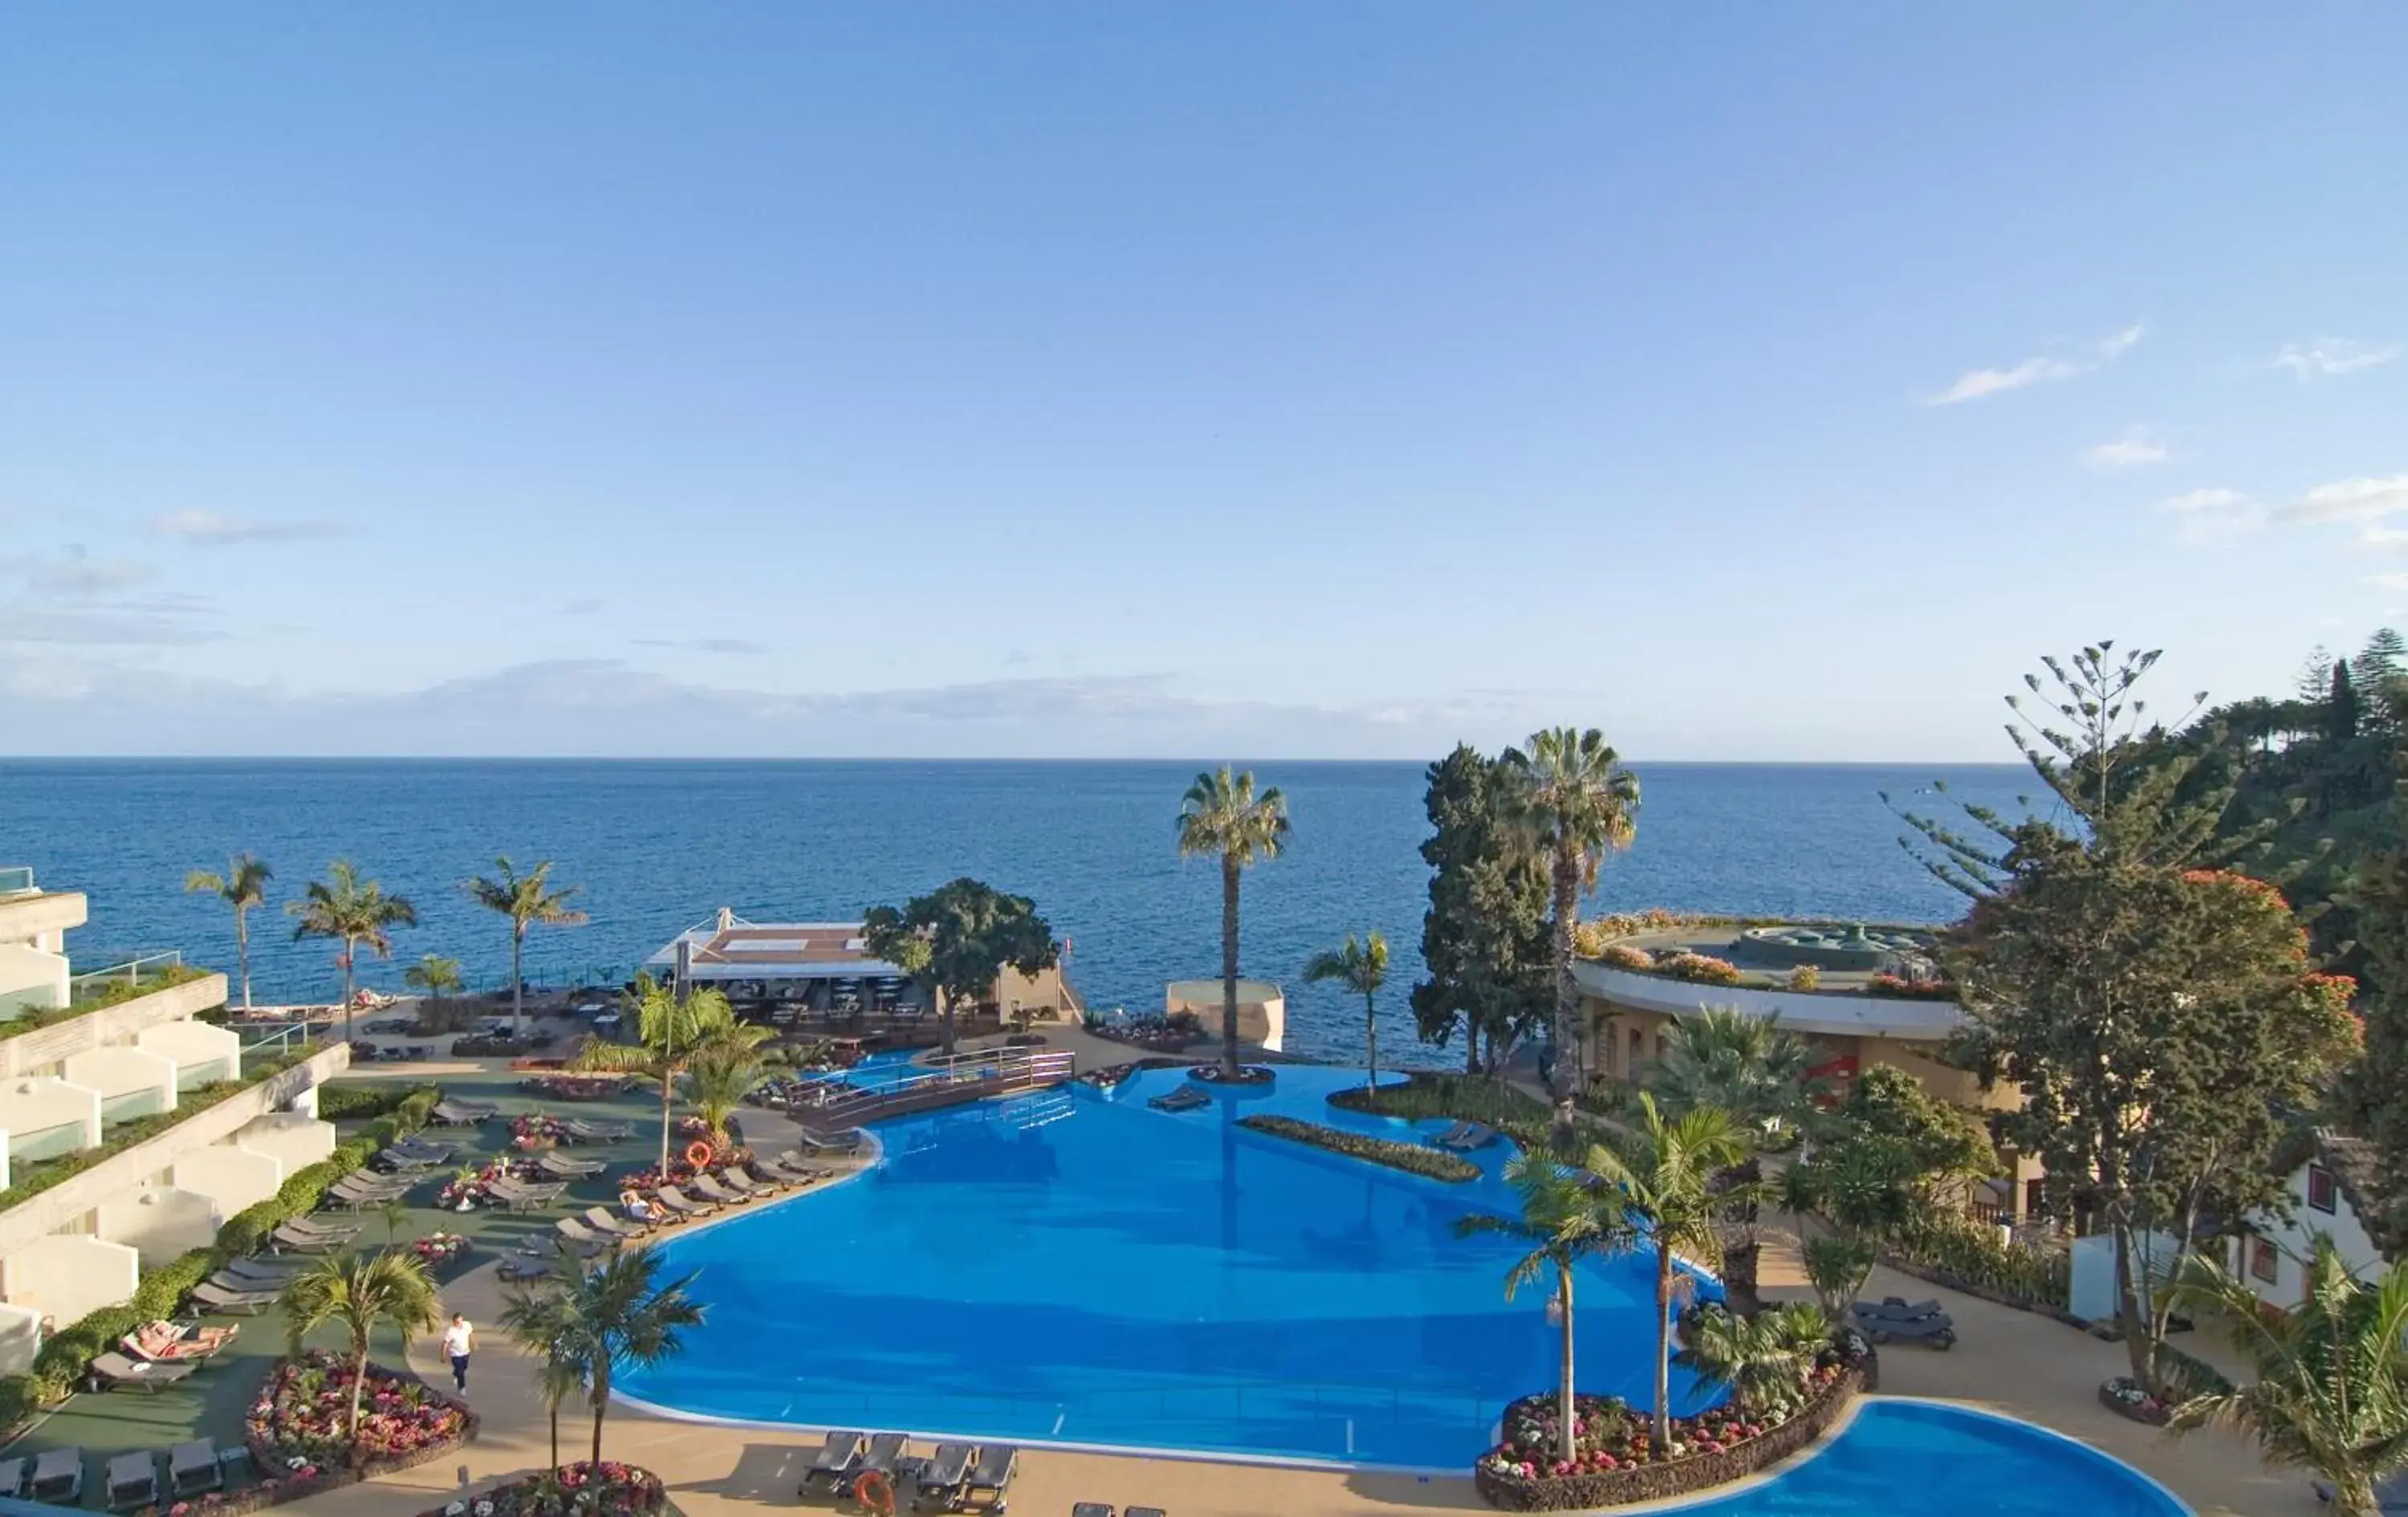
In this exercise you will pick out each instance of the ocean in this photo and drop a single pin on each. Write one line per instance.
(659, 845)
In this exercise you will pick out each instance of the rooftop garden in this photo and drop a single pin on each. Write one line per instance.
(130, 981)
(1902, 975)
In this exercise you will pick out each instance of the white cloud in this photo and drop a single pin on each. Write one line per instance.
(2356, 501)
(1975, 384)
(2203, 500)
(115, 626)
(2330, 357)
(2214, 515)
(2389, 539)
(706, 645)
(2388, 581)
(217, 529)
(75, 575)
(2131, 450)
(582, 606)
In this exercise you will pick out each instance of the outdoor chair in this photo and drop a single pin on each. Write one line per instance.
(1937, 1331)
(577, 1236)
(261, 1274)
(844, 1142)
(885, 1449)
(676, 1201)
(1185, 1098)
(517, 1197)
(568, 1169)
(943, 1473)
(1091, 1509)
(210, 1295)
(607, 1225)
(735, 1178)
(1472, 1137)
(131, 1480)
(991, 1479)
(835, 1461)
(113, 1372)
(173, 1343)
(521, 1271)
(707, 1186)
(193, 1468)
(454, 1114)
(1897, 1309)
(58, 1477)
(596, 1132)
(301, 1240)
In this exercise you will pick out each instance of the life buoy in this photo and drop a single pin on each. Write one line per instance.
(697, 1153)
(875, 1491)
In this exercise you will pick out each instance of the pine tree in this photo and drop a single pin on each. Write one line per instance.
(2341, 706)
(2382, 661)
(2315, 676)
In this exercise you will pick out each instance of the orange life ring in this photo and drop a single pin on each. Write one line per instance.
(698, 1153)
(875, 1491)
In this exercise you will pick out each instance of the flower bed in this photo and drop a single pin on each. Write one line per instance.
(296, 1433)
(1699, 969)
(437, 1251)
(1619, 1464)
(2128, 1397)
(538, 1131)
(1904, 989)
(617, 1490)
(1409, 1157)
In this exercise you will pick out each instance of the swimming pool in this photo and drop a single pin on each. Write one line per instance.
(1072, 1266)
(1928, 1459)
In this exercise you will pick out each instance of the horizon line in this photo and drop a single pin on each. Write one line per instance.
(929, 758)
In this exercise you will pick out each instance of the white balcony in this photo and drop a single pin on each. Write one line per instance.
(203, 1054)
(132, 1081)
(31, 980)
(67, 1276)
(292, 1138)
(45, 1118)
(158, 1221)
(233, 1177)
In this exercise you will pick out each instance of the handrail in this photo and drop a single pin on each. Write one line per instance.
(993, 1072)
(131, 970)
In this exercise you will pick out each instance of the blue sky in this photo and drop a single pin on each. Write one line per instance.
(1304, 381)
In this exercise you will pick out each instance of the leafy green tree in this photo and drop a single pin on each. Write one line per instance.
(1942, 1145)
(2331, 1392)
(1666, 1170)
(1564, 1220)
(1579, 803)
(2374, 1094)
(2156, 1014)
(1766, 1360)
(671, 1033)
(1363, 968)
(1485, 939)
(243, 886)
(360, 1293)
(355, 912)
(433, 975)
(958, 939)
(528, 900)
(1221, 817)
(544, 1325)
(718, 1079)
(605, 1315)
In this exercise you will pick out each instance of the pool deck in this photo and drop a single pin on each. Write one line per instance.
(2006, 1361)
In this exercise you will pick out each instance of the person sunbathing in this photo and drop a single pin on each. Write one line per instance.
(637, 1209)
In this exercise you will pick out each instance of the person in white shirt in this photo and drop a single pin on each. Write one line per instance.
(457, 1340)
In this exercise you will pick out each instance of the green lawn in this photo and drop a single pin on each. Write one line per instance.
(211, 1403)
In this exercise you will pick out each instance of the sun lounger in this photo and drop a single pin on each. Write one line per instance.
(324, 1228)
(844, 1142)
(734, 1179)
(1091, 1509)
(515, 1196)
(131, 1479)
(1936, 1330)
(1473, 1135)
(1143, 1512)
(470, 1103)
(835, 1461)
(580, 1238)
(1452, 1136)
(607, 1225)
(214, 1298)
(568, 1169)
(1897, 1309)
(403, 1160)
(1185, 1098)
(793, 1165)
(944, 1474)
(301, 1240)
(453, 1112)
(111, 1370)
(990, 1482)
(709, 1189)
(352, 1198)
(885, 1450)
(519, 1271)
(169, 1344)
(58, 1477)
(596, 1132)
(193, 1468)
(12, 1477)
(262, 1271)
(676, 1201)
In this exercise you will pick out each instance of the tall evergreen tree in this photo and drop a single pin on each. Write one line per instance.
(2341, 706)
(1485, 937)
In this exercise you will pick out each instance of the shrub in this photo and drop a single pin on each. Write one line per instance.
(1904, 989)
(1702, 968)
(1411, 1158)
(1956, 1246)
(1806, 977)
(1628, 956)
(1492, 1103)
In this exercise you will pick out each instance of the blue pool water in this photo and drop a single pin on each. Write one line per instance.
(1074, 1267)
(1926, 1459)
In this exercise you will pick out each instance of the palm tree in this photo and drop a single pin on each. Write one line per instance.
(1666, 1171)
(717, 1081)
(242, 886)
(1222, 815)
(1564, 1219)
(2331, 1387)
(362, 1292)
(605, 1314)
(670, 1034)
(1578, 802)
(433, 975)
(1766, 1360)
(355, 912)
(527, 900)
(1363, 968)
(543, 1324)
(1755, 1070)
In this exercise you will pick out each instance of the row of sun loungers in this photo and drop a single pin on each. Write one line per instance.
(127, 1479)
(956, 1477)
(55, 1477)
(1104, 1509)
(600, 1228)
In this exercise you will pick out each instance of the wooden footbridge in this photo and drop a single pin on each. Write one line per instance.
(941, 1082)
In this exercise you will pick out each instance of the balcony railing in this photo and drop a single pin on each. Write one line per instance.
(129, 977)
(16, 879)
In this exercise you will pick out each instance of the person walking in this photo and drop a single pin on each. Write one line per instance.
(458, 1339)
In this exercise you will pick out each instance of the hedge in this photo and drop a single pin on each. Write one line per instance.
(66, 1352)
(1966, 1255)
(1409, 1157)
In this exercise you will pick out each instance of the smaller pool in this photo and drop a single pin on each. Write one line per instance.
(1931, 1459)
